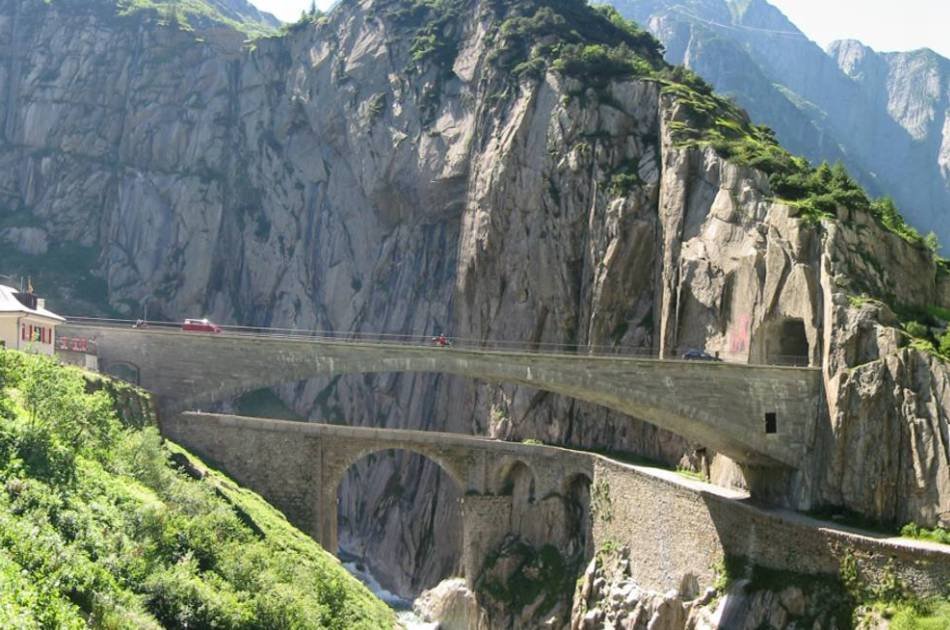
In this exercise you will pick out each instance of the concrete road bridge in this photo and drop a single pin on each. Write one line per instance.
(298, 468)
(757, 415)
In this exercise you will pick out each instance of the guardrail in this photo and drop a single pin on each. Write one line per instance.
(412, 340)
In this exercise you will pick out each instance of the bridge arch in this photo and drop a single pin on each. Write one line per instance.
(347, 454)
(448, 535)
(576, 482)
(123, 370)
(516, 478)
(349, 457)
(298, 467)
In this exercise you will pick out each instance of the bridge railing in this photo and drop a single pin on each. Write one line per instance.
(415, 340)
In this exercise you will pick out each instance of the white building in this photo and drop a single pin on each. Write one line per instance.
(25, 324)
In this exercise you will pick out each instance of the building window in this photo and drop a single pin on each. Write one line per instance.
(771, 423)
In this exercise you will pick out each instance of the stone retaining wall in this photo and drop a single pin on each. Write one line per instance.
(676, 529)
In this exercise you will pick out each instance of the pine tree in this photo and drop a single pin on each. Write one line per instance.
(174, 16)
(932, 242)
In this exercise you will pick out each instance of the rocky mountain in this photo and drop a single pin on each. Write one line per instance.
(528, 171)
(842, 104)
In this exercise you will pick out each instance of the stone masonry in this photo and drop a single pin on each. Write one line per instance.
(298, 467)
(678, 531)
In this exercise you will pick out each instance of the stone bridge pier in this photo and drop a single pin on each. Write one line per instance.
(299, 466)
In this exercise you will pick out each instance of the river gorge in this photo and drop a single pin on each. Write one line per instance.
(541, 330)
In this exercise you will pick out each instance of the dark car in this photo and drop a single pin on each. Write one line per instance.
(698, 355)
(200, 325)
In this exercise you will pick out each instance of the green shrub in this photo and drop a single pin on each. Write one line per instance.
(597, 64)
(932, 242)
(938, 534)
(432, 25)
(923, 616)
(280, 606)
(916, 329)
(181, 598)
(707, 119)
(28, 603)
(181, 12)
(885, 210)
(593, 44)
(943, 342)
(101, 527)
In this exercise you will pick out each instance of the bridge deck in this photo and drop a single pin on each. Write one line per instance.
(723, 406)
(484, 347)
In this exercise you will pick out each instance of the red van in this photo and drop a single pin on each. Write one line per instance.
(200, 325)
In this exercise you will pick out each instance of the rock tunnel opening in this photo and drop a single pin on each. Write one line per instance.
(380, 492)
(787, 343)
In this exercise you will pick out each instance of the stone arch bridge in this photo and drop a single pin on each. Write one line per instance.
(298, 467)
(757, 415)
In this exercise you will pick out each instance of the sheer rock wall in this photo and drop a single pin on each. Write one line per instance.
(310, 181)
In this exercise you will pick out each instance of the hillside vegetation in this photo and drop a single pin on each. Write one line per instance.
(105, 524)
(596, 45)
(237, 14)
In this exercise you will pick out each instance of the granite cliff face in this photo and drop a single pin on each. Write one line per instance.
(608, 596)
(841, 104)
(353, 174)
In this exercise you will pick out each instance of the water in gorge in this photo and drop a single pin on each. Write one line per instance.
(403, 607)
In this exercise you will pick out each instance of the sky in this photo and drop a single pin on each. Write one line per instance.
(288, 10)
(885, 25)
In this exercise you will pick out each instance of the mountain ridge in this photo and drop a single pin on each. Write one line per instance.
(817, 109)
(238, 14)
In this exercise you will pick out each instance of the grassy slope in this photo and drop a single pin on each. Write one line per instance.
(98, 527)
(200, 11)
